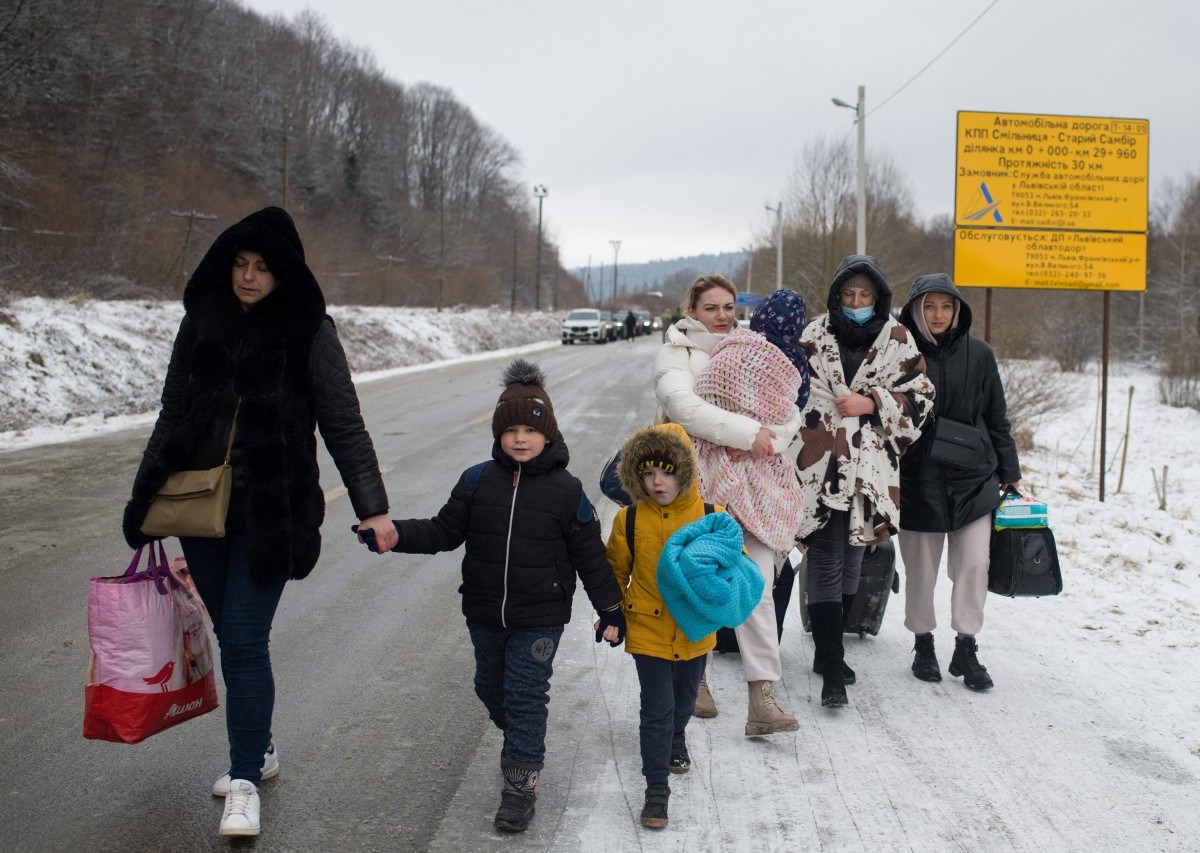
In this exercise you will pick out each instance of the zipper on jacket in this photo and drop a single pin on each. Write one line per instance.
(512, 509)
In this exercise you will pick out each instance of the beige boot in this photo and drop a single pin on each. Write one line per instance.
(766, 717)
(705, 706)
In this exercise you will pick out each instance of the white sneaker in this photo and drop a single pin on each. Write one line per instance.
(241, 809)
(270, 769)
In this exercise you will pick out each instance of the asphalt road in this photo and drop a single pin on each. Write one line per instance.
(376, 721)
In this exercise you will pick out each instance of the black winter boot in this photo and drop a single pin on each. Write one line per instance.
(848, 675)
(680, 762)
(826, 620)
(966, 664)
(925, 664)
(517, 798)
(654, 812)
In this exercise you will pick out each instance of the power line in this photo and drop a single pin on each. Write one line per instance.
(936, 58)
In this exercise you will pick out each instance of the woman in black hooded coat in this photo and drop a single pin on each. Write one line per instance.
(940, 502)
(255, 349)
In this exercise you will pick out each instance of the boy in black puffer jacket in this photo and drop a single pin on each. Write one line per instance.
(529, 531)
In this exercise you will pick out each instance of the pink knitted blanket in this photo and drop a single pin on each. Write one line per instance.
(748, 375)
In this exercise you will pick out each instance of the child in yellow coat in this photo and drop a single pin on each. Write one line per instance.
(658, 470)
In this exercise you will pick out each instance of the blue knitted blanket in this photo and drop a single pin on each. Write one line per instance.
(705, 579)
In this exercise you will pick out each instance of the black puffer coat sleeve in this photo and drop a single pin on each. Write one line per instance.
(152, 473)
(589, 558)
(444, 532)
(995, 418)
(340, 420)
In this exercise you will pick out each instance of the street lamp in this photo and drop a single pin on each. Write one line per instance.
(860, 112)
(778, 211)
(541, 192)
(616, 244)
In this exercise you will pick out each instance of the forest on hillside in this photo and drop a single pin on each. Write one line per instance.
(131, 134)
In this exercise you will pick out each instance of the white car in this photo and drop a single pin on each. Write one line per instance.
(584, 324)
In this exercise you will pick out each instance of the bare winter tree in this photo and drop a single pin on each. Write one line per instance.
(1170, 321)
(118, 127)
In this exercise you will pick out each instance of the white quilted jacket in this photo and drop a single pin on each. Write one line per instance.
(678, 363)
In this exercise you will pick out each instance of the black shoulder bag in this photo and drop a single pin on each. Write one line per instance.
(957, 443)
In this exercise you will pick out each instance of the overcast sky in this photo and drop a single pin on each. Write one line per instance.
(669, 124)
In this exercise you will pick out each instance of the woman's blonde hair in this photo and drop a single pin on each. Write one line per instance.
(700, 285)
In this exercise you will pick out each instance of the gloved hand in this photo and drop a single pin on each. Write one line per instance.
(614, 618)
(131, 524)
(367, 537)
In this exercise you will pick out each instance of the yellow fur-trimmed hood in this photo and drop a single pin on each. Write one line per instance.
(668, 440)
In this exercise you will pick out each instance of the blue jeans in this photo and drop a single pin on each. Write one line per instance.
(669, 690)
(834, 565)
(512, 678)
(241, 612)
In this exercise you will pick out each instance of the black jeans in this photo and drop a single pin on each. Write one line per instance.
(668, 696)
(834, 565)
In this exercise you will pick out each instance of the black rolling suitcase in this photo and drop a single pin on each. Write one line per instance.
(877, 582)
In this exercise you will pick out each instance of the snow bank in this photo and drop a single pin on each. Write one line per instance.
(69, 367)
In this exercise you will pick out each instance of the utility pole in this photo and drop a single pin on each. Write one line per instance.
(285, 156)
(587, 280)
(512, 305)
(441, 243)
(616, 244)
(541, 192)
(554, 285)
(778, 211)
(860, 113)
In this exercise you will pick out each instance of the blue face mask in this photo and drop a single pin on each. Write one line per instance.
(859, 315)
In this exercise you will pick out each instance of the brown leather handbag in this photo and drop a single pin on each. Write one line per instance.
(193, 503)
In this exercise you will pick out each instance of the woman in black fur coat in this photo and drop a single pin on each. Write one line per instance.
(256, 347)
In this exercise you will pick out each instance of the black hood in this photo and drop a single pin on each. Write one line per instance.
(937, 282)
(844, 329)
(296, 304)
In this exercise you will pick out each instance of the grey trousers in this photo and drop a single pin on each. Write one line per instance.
(967, 566)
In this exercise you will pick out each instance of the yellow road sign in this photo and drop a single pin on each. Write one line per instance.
(1063, 260)
(1017, 170)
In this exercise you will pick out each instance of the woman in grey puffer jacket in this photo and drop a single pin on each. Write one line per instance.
(940, 502)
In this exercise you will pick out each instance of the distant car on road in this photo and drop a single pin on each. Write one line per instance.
(613, 329)
(584, 324)
(645, 322)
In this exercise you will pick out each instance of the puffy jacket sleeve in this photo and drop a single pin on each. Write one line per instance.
(674, 386)
(995, 419)
(340, 420)
(444, 532)
(586, 549)
(620, 557)
(152, 473)
(786, 433)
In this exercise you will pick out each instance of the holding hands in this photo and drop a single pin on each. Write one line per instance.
(378, 533)
(611, 626)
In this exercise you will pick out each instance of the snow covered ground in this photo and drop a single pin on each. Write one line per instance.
(1089, 742)
(69, 368)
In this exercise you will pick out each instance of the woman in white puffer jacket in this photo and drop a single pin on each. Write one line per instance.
(708, 316)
